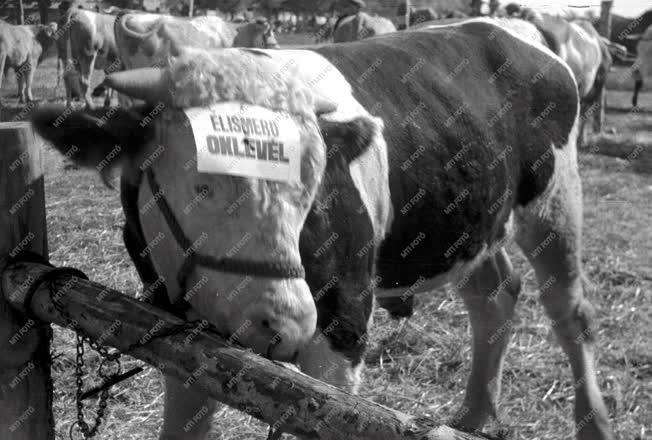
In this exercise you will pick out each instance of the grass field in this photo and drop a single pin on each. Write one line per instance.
(418, 366)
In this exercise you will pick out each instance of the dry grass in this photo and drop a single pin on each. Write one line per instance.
(419, 366)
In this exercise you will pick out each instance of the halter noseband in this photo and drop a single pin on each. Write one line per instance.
(266, 269)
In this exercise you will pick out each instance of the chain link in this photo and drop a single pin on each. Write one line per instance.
(86, 430)
(107, 357)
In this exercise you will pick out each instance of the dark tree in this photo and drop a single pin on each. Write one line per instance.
(43, 7)
(21, 12)
(123, 4)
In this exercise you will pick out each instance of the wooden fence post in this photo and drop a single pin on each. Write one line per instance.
(604, 29)
(408, 5)
(25, 382)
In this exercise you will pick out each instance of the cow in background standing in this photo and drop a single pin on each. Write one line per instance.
(628, 31)
(145, 40)
(22, 47)
(361, 26)
(86, 37)
(643, 64)
(353, 24)
(586, 53)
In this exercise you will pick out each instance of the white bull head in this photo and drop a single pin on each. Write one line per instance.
(244, 276)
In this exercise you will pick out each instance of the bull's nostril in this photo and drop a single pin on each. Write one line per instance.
(276, 340)
(265, 323)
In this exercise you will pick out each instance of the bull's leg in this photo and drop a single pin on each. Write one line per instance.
(549, 233)
(598, 116)
(68, 97)
(638, 85)
(582, 124)
(29, 78)
(87, 64)
(20, 80)
(490, 295)
(188, 412)
(107, 97)
(319, 360)
(3, 60)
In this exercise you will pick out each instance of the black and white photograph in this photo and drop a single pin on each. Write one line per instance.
(326, 219)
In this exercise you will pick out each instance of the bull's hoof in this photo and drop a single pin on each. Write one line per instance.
(69, 165)
(398, 307)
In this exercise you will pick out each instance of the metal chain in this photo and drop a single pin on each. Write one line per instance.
(107, 379)
(86, 430)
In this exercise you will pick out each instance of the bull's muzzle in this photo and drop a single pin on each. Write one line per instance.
(279, 325)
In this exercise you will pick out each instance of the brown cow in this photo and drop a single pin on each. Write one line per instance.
(22, 48)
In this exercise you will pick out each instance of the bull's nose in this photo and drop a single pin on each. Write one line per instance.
(276, 336)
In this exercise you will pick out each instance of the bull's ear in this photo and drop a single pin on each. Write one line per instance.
(99, 139)
(349, 139)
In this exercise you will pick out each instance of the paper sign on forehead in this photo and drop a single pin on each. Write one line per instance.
(246, 140)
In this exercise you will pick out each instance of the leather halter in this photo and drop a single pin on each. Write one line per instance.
(264, 269)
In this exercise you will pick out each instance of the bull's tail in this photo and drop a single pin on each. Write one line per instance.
(58, 71)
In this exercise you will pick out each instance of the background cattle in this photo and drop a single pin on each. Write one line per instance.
(627, 31)
(417, 16)
(144, 40)
(87, 38)
(325, 32)
(361, 25)
(22, 47)
(582, 48)
(643, 64)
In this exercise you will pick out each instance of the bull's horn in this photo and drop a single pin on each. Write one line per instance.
(135, 34)
(323, 105)
(634, 36)
(149, 84)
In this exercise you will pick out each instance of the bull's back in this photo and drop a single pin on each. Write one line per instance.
(469, 112)
(15, 43)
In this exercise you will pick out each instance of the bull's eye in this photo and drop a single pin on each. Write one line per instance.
(203, 190)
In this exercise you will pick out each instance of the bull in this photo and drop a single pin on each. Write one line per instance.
(399, 179)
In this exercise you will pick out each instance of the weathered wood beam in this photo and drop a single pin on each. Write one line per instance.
(267, 390)
(604, 29)
(25, 384)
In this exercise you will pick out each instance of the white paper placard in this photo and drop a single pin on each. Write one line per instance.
(246, 140)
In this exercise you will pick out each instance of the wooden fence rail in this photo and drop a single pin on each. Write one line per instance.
(267, 390)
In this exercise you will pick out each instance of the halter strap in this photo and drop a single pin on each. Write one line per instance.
(277, 269)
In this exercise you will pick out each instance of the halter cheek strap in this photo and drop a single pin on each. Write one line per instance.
(193, 259)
